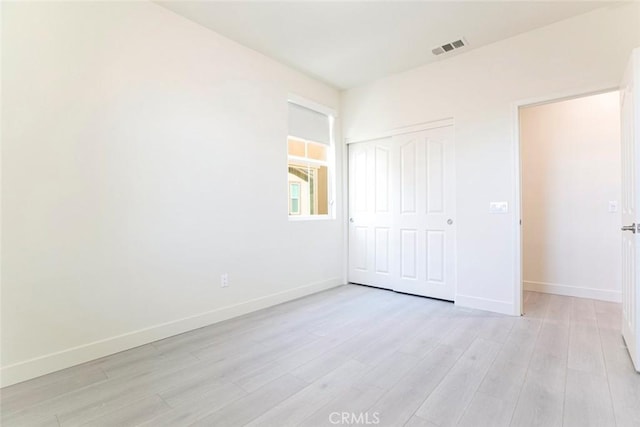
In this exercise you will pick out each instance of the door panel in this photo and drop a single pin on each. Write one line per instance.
(435, 177)
(435, 256)
(408, 254)
(401, 193)
(408, 174)
(360, 248)
(630, 136)
(359, 181)
(382, 250)
(382, 179)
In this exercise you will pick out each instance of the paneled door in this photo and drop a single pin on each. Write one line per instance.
(630, 133)
(402, 213)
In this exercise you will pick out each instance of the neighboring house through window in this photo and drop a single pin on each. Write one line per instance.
(294, 198)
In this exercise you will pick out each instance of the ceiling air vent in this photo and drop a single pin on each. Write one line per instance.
(449, 47)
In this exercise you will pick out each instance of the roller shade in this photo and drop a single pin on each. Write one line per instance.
(308, 124)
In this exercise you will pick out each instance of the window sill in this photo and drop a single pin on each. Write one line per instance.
(296, 218)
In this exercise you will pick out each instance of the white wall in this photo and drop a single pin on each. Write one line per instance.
(143, 156)
(571, 170)
(479, 90)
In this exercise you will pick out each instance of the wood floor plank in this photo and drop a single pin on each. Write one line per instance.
(625, 395)
(390, 370)
(558, 309)
(463, 334)
(244, 410)
(553, 340)
(585, 349)
(15, 402)
(252, 378)
(504, 380)
(353, 401)
(521, 342)
(497, 328)
(609, 321)
(28, 419)
(337, 356)
(125, 358)
(402, 400)
(148, 364)
(387, 342)
(587, 400)
(53, 380)
(204, 389)
(429, 335)
(416, 421)
(536, 305)
(583, 312)
(113, 395)
(447, 402)
(307, 401)
(100, 398)
(234, 364)
(541, 399)
(131, 415)
(616, 355)
(321, 366)
(608, 315)
(487, 411)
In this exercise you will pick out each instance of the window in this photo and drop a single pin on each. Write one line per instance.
(310, 162)
(294, 198)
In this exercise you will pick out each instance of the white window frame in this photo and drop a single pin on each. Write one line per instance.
(330, 162)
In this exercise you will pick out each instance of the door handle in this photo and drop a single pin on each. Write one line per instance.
(631, 228)
(351, 220)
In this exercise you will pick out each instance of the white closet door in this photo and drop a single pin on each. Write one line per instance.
(630, 133)
(370, 210)
(402, 206)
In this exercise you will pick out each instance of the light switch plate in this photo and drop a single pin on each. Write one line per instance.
(613, 206)
(499, 207)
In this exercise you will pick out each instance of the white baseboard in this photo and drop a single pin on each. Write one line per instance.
(46, 364)
(573, 291)
(486, 304)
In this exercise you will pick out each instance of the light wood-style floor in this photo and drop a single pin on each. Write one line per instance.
(372, 354)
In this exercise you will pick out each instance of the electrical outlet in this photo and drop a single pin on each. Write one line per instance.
(224, 280)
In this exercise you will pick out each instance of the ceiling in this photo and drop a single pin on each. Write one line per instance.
(350, 43)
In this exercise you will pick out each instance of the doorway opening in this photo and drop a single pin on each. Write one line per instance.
(570, 192)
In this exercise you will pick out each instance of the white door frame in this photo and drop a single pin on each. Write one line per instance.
(517, 173)
(401, 130)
